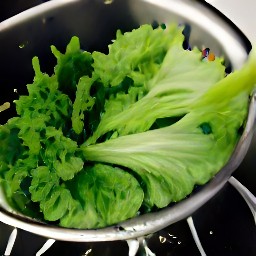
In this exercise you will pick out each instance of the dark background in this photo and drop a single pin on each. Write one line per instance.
(8, 8)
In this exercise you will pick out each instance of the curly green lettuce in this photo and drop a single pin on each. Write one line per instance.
(111, 135)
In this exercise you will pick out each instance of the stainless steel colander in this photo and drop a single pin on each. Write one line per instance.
(30, 34)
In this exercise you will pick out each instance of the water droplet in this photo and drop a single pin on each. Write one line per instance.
(162, 239)
(87, 252)
(22, 45)
(5, 106)
(108, 1)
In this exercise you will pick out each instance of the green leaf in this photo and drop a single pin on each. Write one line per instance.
(83, 102)
(57, 205)
(173, 159)
(44, 104)
(179, 81)
(15, 179)
(71, 66)
(59, 153)
(136, 54)
(45, 188)
(10, 147)
(103, 190)
(43, 182)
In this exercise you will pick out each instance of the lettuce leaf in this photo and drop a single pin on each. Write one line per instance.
(102, 191)
(136, 54)
(181, 79)
(108, 136)
(172, 160)
(71, 65)
(96, 198)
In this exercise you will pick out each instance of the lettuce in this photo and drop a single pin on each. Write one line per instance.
(173, 159)
(110, 136)
(180, 80)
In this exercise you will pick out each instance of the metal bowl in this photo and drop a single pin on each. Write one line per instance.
(95, 22)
